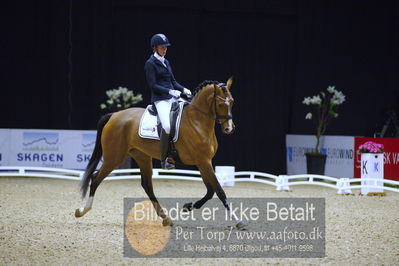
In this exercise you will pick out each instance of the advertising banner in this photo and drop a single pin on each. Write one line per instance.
(339, 150)
(70, 149)
(4, 146)
(391, 156)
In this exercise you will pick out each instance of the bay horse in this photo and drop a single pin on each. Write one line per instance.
(117, 137)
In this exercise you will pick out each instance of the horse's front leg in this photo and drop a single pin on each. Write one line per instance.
(212, 184)
(198, 204)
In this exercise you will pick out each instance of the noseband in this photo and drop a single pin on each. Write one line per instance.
(217, 117)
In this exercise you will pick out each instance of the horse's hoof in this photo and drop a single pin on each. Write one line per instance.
(187, 207)
(167, 222)
(241, 225)
(81, 211)
(78, 213)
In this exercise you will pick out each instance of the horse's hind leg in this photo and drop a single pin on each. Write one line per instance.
(98, 177)
(145, 163)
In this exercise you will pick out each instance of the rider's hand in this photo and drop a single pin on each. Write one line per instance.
(187, 91)
(175, 93)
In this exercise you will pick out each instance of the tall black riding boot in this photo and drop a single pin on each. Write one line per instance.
(164, 151)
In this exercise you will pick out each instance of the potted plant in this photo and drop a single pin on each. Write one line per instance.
(326, 104)
(371, 147)
(120, 99)
(372, 166)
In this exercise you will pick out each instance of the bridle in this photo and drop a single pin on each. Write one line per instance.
(217, 117)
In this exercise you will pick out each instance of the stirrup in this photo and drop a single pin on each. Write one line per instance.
(167, 165)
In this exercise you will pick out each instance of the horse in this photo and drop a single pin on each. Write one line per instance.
(117, 137)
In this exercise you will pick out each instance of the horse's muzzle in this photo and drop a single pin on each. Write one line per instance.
(228, 130)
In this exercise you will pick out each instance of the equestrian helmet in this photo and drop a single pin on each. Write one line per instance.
(159, 40)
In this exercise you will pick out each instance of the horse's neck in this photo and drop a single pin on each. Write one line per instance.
(203, 100)
(203, 116)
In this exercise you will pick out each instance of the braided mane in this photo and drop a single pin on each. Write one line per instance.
(204, 84)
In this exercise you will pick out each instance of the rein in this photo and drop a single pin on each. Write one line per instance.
(217, 118)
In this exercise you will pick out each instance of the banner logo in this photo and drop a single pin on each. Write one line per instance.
(88, 141)
(41, 147)
(40, 141)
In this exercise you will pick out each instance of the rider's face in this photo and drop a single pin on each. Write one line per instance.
(161, 50)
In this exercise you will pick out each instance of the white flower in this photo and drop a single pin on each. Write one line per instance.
(316, 100)
(308, 116)
(331, 89)
(113, 94)
(338, 98)
(306, 101)
(125, 97)
(118, 105)
(110, 101)
(103, 106)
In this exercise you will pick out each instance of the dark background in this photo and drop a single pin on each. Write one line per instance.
(59, 57)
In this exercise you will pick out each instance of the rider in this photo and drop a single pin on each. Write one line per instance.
(164, 90)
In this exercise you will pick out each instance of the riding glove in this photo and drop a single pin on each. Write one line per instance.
(175, 93)
(186, 91)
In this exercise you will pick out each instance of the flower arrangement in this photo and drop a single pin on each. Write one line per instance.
(371, 147)
(326, 104)
(121, 98)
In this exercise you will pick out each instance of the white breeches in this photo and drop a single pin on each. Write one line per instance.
(163, 108)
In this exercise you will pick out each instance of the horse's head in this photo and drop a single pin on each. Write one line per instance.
(223, 101)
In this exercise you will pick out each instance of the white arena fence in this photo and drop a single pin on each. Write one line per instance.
(281, 182)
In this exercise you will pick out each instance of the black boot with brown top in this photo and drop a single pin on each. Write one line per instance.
(165, 164)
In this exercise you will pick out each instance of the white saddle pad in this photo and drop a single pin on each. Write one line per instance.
(148, 125)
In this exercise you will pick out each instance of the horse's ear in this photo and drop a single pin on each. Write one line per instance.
(229, 82)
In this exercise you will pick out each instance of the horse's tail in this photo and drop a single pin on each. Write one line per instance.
(95, 157)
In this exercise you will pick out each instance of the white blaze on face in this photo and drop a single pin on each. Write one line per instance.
(227, 102)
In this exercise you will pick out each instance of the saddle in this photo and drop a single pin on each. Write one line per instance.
(150, 125)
